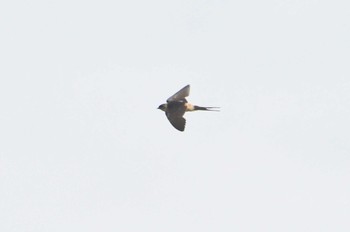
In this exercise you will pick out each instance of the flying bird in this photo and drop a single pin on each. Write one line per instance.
(177, 105)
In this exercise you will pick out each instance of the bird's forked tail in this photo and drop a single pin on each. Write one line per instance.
(207, 108)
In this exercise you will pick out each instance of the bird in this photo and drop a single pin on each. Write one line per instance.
(177, 106)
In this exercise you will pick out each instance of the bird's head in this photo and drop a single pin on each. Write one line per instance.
(162, 107)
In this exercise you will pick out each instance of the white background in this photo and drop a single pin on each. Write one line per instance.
(83, 147)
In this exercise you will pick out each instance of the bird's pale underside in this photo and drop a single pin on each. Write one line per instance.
(177, 105)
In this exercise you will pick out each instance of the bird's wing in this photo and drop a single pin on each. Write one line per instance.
(177, 121)
(181, 94)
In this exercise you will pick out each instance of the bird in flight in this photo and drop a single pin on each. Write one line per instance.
(177, 105)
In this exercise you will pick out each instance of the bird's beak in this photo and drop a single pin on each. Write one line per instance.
(161, 107)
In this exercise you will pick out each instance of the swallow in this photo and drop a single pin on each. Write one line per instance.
(177, 106)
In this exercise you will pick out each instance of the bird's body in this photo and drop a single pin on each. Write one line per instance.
(177, 105)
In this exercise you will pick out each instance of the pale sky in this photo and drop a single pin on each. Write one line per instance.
(84, 148)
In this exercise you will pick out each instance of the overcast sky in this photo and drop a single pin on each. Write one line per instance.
(84, 148)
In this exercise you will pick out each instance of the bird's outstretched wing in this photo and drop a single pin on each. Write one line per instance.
(177, 122)
(181, 94)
